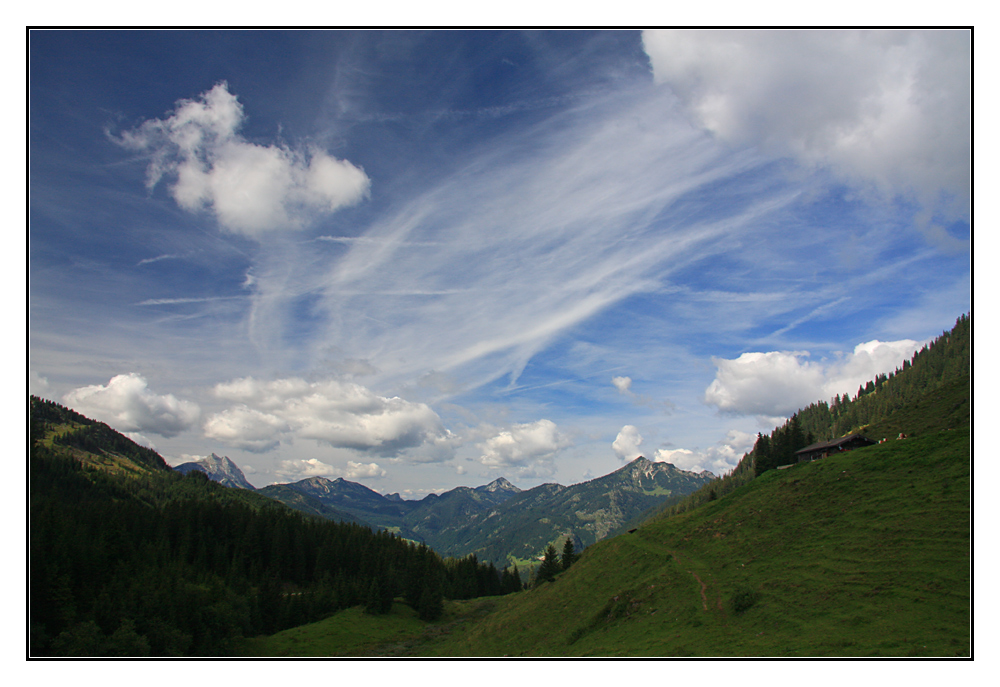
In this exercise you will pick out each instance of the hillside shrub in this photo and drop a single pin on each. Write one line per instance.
(742, 600)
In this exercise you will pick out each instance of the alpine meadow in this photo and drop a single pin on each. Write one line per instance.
(505, 344)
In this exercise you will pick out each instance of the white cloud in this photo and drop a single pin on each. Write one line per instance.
(886, 108)
(683, 458)
(626, 444)
(129, 406)
(246, 428)
(141, 439)
(341, 414)
(38, 385)
(363, 471)
(623, 384)
(301, 469)
(774, 383)
(250, 188)
(718, 459)
(554, 224)
(527, 448)
(779, 383)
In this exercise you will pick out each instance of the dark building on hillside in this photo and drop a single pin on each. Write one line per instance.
(822, 449)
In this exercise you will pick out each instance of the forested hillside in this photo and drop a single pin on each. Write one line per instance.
(928, 393)
(129, 558)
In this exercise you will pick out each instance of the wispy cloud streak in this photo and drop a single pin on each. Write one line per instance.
(525, 243)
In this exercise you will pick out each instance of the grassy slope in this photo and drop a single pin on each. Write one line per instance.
(864, 554)
(352, 632)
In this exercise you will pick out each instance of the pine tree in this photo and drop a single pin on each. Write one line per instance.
(568, 556)
(431, 604)
(549, 567)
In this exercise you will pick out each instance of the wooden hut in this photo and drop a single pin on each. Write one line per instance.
(822, 449)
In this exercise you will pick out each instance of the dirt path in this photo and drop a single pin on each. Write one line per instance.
(704, 599)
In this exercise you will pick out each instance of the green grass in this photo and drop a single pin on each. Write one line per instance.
(351, 632)
(862, 554)
(866, 554)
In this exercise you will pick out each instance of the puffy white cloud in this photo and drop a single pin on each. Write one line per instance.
(774, 383)
(626, 444)
(888, 108)
(246, 428)
(250, 188)
(341, 414)
(301, 469)
(718, 459)
(623, 384)
(868, 360)
(527, 448)
(683, 458)
(778, 383)
(313, 467)
(127, 404)
(363, 470)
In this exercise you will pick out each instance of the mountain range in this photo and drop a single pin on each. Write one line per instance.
(497, 521)
(862, 553)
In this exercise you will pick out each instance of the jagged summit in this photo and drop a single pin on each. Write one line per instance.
(499, 485)
(219, 469)
(645, 467)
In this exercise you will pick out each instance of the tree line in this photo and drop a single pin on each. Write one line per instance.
(939, 371)
(159, 564)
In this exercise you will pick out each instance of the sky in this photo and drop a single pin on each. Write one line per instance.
(420, 260)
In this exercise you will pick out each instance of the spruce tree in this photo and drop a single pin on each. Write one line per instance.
(549, 567)
(568, 556)
(431, 604)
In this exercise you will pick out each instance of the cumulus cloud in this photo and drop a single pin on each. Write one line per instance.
(251, 188)
(246, 428)
(363, 471)
(623, 384)
(127, 404)
(626, 444)
(341, 414)
(301, 469)
(890, 109)
(527, 448)
(779, 383)
(717, 459)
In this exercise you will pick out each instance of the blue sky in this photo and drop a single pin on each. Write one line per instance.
(423, 260)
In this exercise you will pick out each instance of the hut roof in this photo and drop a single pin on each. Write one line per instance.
(833, 443)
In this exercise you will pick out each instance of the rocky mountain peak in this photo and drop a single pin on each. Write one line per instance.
(499, 484)
(219, 469)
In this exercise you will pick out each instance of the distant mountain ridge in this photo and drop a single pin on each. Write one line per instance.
(498, 521)
(219, 469)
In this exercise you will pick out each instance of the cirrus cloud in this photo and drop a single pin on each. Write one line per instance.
(251, 188)
(127, 404)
